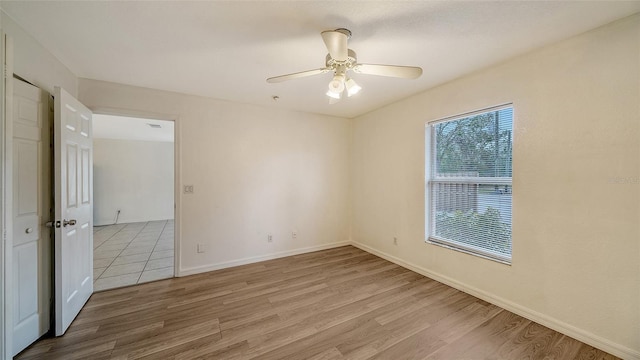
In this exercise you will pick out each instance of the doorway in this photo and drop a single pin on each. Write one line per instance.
(133, 172)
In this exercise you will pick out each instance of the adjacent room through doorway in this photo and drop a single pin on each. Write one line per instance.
(133, 174)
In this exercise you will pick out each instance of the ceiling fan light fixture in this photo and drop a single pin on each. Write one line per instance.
(352, 87)
(333, 95)
(337, 84)
(333, 100)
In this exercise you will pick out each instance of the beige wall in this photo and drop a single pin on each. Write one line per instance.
(133, 176)
(576, 185)
(34, 63)
(255, 171)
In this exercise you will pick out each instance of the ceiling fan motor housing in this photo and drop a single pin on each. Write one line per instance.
(344, 31)
(351, 61)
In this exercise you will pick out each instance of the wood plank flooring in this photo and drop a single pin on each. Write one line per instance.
(341, 303)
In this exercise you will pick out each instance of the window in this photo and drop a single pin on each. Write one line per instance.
(469, 185)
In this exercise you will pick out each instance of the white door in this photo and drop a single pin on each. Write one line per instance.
(73, 178)
(31, 210)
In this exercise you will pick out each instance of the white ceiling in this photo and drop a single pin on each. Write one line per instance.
(128, 128)
(226, 49)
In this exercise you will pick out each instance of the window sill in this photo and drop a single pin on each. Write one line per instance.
(437, 242)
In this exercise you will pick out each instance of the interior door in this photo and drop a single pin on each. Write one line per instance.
(31, 210)
(73, 178)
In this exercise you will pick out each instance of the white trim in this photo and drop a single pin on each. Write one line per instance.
(468, 114)
(542, 319)
(177, 196)
(468, 249)
(102, 110)
(428, 163)
(3, 326)
(255, 259)
(471, 180)
(7, 196)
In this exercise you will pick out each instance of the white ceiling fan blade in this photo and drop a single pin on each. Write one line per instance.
(277, 79)
(336, 43)
(405, 72)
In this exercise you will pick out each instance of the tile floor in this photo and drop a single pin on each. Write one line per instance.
(127, 254)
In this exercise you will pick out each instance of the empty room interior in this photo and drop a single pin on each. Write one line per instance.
(320, 180)
(133, 191)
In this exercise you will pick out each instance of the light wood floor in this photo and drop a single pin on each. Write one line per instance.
(341, 303)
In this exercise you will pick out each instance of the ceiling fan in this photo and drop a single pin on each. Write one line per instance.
(340, 60)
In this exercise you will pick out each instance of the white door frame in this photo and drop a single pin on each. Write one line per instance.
(177, 183)
(3, 330)
(6, 136)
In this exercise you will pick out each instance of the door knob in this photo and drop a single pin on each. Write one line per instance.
(28, 230)
(52, 224)
(68, 222)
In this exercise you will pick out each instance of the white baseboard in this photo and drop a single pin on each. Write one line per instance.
(557, 325)
(254, 259)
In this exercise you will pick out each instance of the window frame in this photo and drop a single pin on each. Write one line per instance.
(432, 179)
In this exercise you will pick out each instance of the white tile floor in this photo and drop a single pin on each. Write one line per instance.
(127, 254)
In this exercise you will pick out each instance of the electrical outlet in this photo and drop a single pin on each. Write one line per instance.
(294, 234)
(201, 248)
(269, 238)
(395, 240)
(188, 189)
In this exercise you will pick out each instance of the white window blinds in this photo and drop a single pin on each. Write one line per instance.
(470, 184)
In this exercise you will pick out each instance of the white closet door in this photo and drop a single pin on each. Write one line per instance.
(31, 210)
